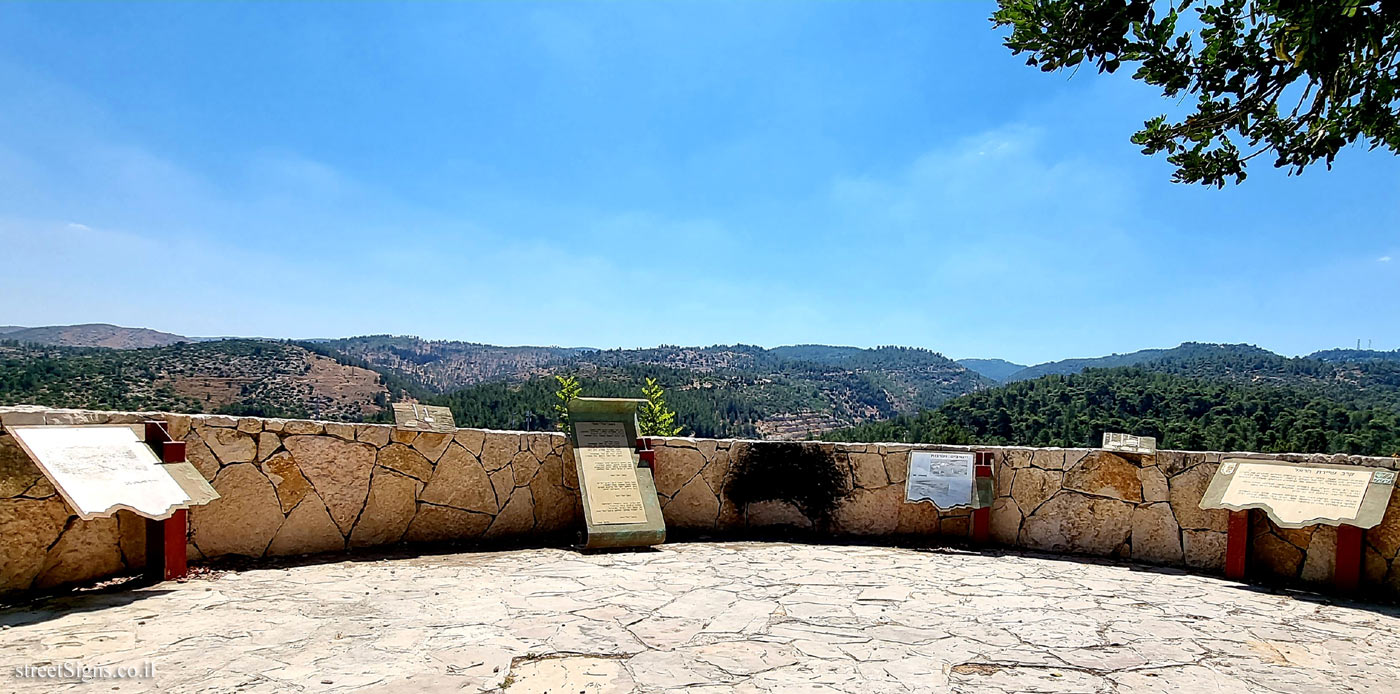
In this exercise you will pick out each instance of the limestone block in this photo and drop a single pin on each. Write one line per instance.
(1074, 522)
(461, 482)
(1373, 566)
(554, 503)
(27, 528)
(694, 507)
(1385, 536)
(389, 509)
(339, 470)
(286, 478)
(1003, 476)
(1156, 536)
(868, 470)
(539, 444)
(245, 517)
(498, 449)
(517, 518)
(1033, 486)
(401, 458)
(1173, 463)
(249, 425)
(1321, 556)
(177, 425)
(1101, 473)
(523, 467)
(955, 527)
(1275, 555)
(131, 535)
(1017, 458)
(1185, 492)
(268, 443)
(1154, 484)
(376, 435)
(274, 425)
(870, 511)
(675, 467)
(340, 431)
(403, 436)
(87, 550)
(41, 489)
(301, 427)
(431, 444)
(764, 514)
(502, 482)
(716, 471)
(200, 456)
(1204, 549)
(470, 439)
(897, 466)
(919, 518)
(307, 530)
(17, 472)
(1005, 523)
(1048, 458)
(443, 524)
(570, 469)
(215, 420)
(230, 445)
(731, 517)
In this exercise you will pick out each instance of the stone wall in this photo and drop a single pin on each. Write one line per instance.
(297, 487)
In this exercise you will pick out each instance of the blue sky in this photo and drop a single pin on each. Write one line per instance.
(632, 174)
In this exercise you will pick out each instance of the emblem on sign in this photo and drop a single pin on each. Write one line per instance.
(1227, 469)
(1383, 477)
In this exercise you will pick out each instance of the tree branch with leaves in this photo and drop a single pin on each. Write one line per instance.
(1244, 62)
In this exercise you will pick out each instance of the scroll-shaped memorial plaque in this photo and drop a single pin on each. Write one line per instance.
(1295, 496)
(411, 416)
(609, 473)
(101, 469)
(941, 477)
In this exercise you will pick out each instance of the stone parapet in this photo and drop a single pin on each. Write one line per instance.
(293, 487)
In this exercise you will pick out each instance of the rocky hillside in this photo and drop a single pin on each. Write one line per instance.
(232, 376)
(92, 335)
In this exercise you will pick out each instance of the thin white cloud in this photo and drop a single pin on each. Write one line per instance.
(1383, 259)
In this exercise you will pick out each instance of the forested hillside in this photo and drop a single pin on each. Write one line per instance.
(1182, 412)
(248, 377)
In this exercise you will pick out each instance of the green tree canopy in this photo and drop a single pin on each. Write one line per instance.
(1299, 79)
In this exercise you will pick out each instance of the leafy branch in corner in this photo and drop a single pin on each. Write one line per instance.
(655, 418)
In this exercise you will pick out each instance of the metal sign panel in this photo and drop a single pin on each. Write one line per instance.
(610, 474)
(1295, 496)
(944, 478)
(101, 469)
(1127, 443)
(412, 416)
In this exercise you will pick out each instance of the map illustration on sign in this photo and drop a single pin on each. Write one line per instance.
(940, 477)
(609, 473)
(412, 416)
(101, 469)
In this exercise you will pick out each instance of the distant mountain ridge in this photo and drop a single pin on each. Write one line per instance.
(998, 370)
(94, 335)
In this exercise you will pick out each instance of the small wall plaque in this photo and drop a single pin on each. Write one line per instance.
(1127, 443)
(412, 416)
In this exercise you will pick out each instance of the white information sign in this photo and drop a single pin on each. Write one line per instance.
(1298, 494)
(943, 478)
(101, 469)
(1127, 443)
(609, 473)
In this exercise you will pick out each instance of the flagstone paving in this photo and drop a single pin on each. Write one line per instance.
(715, 617)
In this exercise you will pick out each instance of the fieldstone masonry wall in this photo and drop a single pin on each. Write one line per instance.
(297, 487)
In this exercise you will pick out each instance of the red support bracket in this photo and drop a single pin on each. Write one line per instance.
(1237, 546)
(166, 552)
(982, 517)
(1346, 573)
(646, 455)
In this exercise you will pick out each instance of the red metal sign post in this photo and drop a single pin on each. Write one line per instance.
(166, 556)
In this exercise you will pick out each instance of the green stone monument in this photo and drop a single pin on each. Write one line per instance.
(620, 508)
